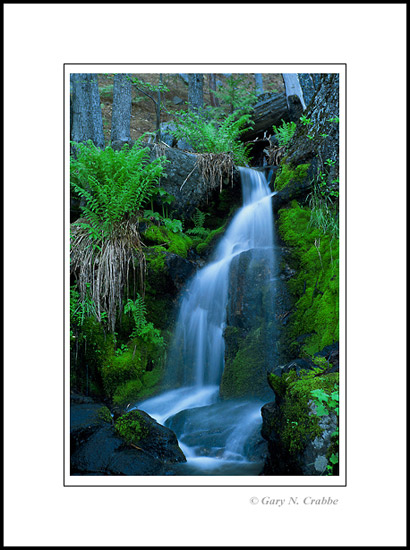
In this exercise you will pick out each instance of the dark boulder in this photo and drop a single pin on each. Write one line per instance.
(179, 269)
(106, 454)
(158, 440)
(86, 417)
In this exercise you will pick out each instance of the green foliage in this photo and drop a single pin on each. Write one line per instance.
(80, 309)
(142, 329)
(207, 135)
(138, 311)
(316, 285)
(285, 132)
(237, 94)
(199, 219)
(323, 201)
(113, 184)
(131, 427)
(305, 121)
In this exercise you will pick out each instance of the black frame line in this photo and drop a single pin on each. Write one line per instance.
(64, 274)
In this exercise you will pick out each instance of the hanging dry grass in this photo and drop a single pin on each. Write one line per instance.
(215, 167)
(104, 272)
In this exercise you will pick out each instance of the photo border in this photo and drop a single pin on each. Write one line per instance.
(299, 481)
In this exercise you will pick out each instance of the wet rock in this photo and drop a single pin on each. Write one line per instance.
(158, 440)
(179, 269)
(105, 454)
(86, 418)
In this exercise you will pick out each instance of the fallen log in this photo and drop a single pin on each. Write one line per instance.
(269, 112)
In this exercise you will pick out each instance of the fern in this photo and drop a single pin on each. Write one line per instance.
(285, 132)
(144, 330)
(211, 136)
(138, 311)
(199, 219)
(113, 184)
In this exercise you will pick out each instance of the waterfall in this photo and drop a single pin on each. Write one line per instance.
(212, 432)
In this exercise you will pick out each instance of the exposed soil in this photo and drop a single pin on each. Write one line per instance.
(143, 109)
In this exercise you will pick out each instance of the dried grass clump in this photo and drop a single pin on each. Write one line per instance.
(214, 167)
(103, 271)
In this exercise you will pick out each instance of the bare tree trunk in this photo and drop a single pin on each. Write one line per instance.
(259, 83)
(196, 92)
(212, 89)
(121, 108)
(87, 120)
(292, 87)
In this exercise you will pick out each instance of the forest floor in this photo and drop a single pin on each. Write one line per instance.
(143, 110)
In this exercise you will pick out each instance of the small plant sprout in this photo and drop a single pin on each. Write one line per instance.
(305, 121)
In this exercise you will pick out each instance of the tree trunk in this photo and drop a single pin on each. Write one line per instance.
(292, 87)
(259, 83)
(212, 89)
(196, 92)
(87, 120)
(121, 108)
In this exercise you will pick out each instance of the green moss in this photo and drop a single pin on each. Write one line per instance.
(121, 369)
(288, 174)
(90, 349)
(297, 424)
(128, 392)
(131, 427)
(177, 243)
(210, 239)
(155, 257)
(105, 415)
(315, 257)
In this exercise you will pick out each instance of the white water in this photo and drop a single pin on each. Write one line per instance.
(196, 358)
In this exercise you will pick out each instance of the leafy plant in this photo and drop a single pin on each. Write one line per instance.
(142, 328)
(305, 121)
(327, 403)
(285, 132)
(199, 219)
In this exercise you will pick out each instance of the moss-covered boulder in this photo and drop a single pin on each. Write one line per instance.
(249, 332)
(138, 429)
(301, 425)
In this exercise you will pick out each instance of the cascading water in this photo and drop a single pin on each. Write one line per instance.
(214, 433)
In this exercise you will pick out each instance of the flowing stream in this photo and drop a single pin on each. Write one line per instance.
(218, 437)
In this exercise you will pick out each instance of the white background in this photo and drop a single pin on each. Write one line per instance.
(39, 38)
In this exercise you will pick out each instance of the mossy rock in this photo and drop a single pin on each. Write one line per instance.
(245, 368)
(298, 424)
(177, 243)
(288, 174)
(131, 427)
(316, 284)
